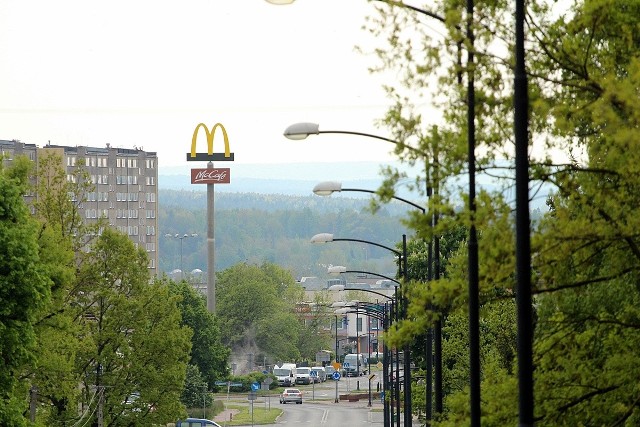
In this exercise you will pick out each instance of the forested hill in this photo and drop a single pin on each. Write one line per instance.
(194, 200)
(255, 228)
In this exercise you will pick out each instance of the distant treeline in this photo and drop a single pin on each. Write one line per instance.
(257, 228)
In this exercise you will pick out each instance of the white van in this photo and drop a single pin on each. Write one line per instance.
(322, 373)
(354, 365)
(303, 375)
(285, 374)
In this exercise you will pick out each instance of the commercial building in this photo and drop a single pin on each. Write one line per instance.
(126, 187)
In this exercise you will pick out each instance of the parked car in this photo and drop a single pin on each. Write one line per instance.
(291, 395)
(196, 422)
(329, 370)
(321, 373)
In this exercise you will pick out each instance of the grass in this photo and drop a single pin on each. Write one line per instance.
(261, 415)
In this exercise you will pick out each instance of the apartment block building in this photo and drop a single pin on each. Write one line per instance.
(126, 187)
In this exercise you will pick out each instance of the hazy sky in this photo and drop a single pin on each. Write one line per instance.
(145, 73)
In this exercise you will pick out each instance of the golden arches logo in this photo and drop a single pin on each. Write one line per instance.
(210, 155)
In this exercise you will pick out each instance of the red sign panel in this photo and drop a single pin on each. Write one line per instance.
(211, 176)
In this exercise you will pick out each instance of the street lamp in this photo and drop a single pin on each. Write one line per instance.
(328, 237)
(181, 237)
(327, 188)
(301, 131)
(383, 316)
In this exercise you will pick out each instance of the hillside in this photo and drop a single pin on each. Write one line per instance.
(255, 228)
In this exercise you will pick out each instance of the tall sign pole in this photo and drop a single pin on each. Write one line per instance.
(210, 176)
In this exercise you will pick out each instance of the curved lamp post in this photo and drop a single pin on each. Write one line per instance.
(383, 316)
(328, 237)
(327, 188)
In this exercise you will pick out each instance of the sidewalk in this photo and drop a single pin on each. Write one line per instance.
(225, 416)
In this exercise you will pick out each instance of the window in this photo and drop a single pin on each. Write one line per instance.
(151, 180)
(359, 325)
(151, 197)
(71, 161)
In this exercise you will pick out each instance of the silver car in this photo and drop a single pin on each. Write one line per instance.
(291, 395)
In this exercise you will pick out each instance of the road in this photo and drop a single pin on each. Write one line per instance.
(319, 407)
(328, 414)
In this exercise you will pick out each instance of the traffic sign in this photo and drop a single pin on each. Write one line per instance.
(336, 375)
(313, 374)
(345, 365)
(255, 386)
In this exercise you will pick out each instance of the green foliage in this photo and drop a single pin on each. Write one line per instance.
(195, 391)
(257, 305)
(584, 72)
(24, 292)
(134, 342)
(207, 351)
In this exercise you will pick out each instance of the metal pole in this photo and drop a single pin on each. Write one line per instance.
(474, 299)
(428, 356)
(408, 415)
(386, 386)
(523, 238)
(211, 248)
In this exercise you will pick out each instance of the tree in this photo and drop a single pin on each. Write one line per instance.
(584, 70)
(195, 393)
(135, 344)
(256, 306)
(24, 292)
(208, 353)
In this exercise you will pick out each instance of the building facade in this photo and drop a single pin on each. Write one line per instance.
(125, 187)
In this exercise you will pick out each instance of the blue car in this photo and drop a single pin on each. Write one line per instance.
(196, 422)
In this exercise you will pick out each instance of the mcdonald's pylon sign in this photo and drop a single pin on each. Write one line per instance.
(210, 156)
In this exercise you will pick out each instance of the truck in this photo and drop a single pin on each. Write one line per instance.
(354, 365)
(285, 374)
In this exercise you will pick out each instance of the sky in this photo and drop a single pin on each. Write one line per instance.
(144, 73)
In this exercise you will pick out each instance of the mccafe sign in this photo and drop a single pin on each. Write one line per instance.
(210, 175)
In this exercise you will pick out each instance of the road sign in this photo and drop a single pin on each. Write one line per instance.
(220, 383)
(313, 374)
(268, 380)
(372, 376)
(255, 386)
(345, 365)
(252, 396)
(336, 376)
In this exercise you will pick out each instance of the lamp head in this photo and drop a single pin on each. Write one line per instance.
(322, 238)
(336, 269)
(327, 188)
(300, 131)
